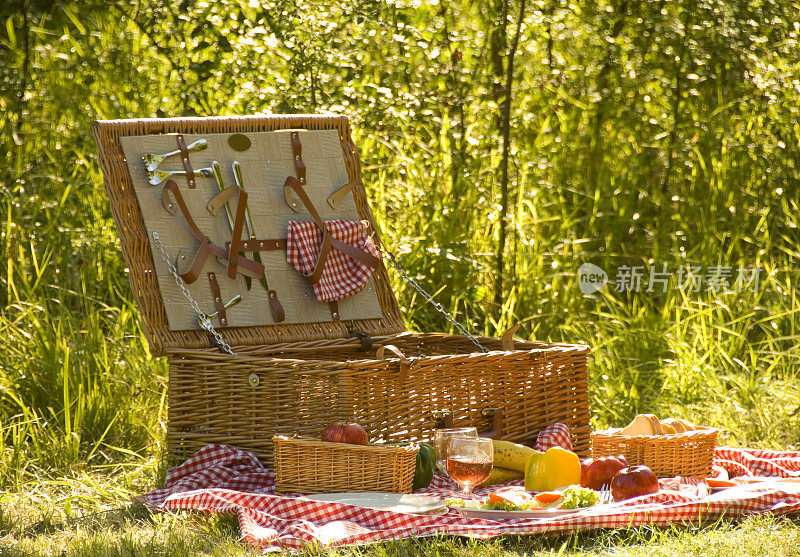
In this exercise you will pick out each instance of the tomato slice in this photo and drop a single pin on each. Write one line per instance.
(514, 495)
(547, 497)
(716, 482)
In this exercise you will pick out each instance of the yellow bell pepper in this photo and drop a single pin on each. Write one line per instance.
(555, 468)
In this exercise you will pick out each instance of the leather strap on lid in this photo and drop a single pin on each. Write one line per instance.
(218, 201)
(218, 303)
(297, 155)
(324, 251)
(254, 244)
(334, 307)
(236, 239)
(336, 197)
(200, 258)
(275, 306)
(187, 166)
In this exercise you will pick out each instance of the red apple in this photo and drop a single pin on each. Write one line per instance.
(599, 471)
(633, 481)
(585, 463)
(339, 432)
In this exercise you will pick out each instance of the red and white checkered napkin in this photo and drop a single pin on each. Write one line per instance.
(554, 435)
(342, 275)
(226, 480)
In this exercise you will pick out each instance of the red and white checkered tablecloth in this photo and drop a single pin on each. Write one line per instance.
(342, 276)
(226, 480)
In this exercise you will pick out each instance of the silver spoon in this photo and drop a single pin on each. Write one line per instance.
(157, 176)
(151, 161)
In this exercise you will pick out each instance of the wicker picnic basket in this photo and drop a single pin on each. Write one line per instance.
(687, 454)
(295, 371)
(304, 465)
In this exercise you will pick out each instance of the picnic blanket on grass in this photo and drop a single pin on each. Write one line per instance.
(227, 480)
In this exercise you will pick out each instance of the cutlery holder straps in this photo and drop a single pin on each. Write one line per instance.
(187, 166)
(219, 304)
(247, 266)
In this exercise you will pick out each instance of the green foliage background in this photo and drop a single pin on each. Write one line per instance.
(640, 133)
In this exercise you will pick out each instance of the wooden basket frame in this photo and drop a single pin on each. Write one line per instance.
(136, 244)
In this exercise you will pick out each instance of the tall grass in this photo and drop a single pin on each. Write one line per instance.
(620, 156)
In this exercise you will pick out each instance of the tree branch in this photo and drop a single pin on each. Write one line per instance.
(505, 117)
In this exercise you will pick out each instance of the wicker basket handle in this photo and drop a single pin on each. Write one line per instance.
(507, 340)
(404, 361)
(496, 417)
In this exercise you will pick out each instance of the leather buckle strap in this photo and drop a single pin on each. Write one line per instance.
(365, 338)
(334, 307)
(187, 166)
(254, 244)
(218, 303)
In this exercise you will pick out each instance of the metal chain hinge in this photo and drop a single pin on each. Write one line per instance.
(205, 322)
(389, 256)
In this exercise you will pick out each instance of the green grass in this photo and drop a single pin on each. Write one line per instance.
(40, 523)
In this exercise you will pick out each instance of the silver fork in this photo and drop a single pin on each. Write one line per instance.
(152, 160)
(605, 494)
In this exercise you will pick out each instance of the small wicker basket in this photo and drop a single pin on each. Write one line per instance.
(687, 454)
(304, 465)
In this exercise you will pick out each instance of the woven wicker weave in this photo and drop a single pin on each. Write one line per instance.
(686, 454)
(295, 378)
(304, 465)
(304, 386)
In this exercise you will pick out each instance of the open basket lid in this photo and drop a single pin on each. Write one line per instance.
(268, 149)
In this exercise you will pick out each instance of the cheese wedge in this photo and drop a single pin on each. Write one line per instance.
(673, 424)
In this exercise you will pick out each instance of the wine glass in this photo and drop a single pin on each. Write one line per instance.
(469, 461)
(441, 441)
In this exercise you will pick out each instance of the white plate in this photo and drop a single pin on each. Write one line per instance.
(500, 515)
(395, 502)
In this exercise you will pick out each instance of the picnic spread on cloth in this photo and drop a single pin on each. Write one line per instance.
(260, 276)
(227, 480)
